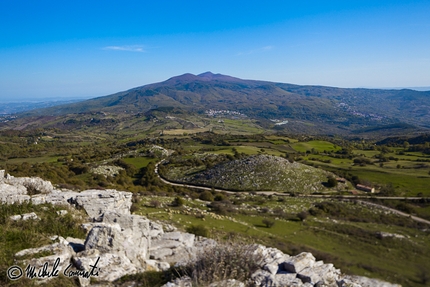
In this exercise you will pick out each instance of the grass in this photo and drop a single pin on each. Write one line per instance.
(240, 127)
(350, 245)
(408, 180)
(33, 159)
(15, 236)
(318, 145)
(185, 131)
(139, 162)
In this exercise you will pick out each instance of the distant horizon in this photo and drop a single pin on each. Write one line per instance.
(95, 48)
(31, 99)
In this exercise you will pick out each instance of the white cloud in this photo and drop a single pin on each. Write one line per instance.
(259, 50)
(134, 48)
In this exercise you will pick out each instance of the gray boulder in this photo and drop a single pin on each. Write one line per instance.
(173, 247)
(106, 266)
(299, 262)
(122, 234)
(323, 274)
(61, 252)
(10, 194)
(33, 185)
(97, 202)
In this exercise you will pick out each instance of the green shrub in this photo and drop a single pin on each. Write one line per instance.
(219, 197)
(331, 182)
(303, 215)
(268, 222)
(198, 230)
(206, 196)
(178, 201)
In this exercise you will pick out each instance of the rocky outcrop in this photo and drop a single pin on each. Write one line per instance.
(32, 185)
(279, 269)
(172, 247)
(119, 243)
(96, 202)
(11, 194)
(38, 191)
(257, 172)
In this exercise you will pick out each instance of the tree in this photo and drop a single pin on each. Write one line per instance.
(268, 222)
(331, 182)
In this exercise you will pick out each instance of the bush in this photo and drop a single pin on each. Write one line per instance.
(219, 197)
(178, 201)
(206, 196)
(331, 182)
(155, 203)
(198, 230)
(268, 222)
(223, 262)
(302, 215)
(222, 207)
(279, 212)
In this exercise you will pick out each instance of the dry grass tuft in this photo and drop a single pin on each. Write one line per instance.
(223, 262)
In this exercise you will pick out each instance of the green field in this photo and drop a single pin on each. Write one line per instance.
(319, 146)
(139, 162)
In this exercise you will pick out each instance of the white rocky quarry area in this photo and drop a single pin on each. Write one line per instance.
(119, 243)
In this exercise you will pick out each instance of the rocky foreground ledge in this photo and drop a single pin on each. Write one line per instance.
(119, 243)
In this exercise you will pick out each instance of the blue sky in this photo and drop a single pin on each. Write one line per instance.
(95, 48)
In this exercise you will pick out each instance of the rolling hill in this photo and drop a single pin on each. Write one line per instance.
(310, 109)
(256, 173)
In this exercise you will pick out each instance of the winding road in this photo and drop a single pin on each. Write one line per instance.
(347, 197)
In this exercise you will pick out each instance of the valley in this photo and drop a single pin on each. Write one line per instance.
(309, 174)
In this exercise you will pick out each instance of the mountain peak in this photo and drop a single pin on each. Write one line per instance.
(188, 77)
(206, 76)
(211, 76)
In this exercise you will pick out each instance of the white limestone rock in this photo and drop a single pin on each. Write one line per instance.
(326, 274)
(156, 230)
(284, 279)
(173, 247)
(97, 202)
(10, 194)
(62, 212)
(25, 216)
(297, 263)
(121, 234)
(160, 254)
(135, 233)
(62, 254)
(156, 265)
(109, 266)
(33, 185)
(31, 215)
